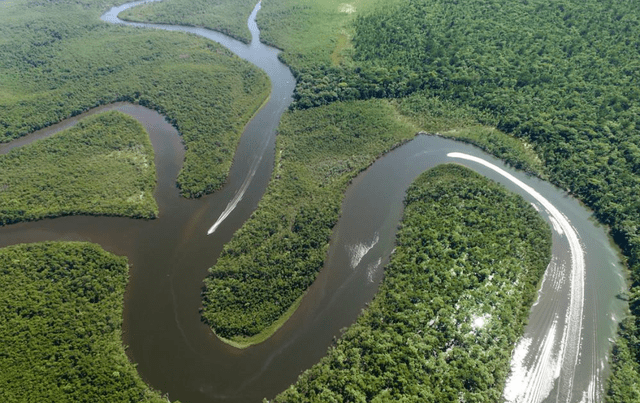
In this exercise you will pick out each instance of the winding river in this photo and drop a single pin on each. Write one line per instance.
(561, 358)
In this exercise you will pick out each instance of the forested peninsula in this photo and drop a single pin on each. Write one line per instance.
(102, 166)
(273, 259)
(561, 77)
(60, 326)
(453, 303)
(550, 87)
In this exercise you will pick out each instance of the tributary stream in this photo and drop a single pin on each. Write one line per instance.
(562, 356)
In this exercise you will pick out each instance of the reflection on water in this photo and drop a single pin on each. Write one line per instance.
(170, 256)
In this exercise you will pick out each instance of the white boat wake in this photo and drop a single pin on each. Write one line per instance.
(112, 17)
(533, 379)
(239, 194)
(358, 251)
(372, 269)
(535, 383)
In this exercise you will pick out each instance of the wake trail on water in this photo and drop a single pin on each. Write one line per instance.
(533, 383)
(240, 193)
(372, 269)
(177, 320)
(360, 250)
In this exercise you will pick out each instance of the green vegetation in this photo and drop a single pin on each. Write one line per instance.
(308, 31)
(265, 333)
(562, 76)
(226, 16)
(317, 35)
(275, 256)
(58, 59)
(454, 300)
(317, 40)
(314, 34)
(102, 166)
(283, 23)
(436, 115)
(60, 326)
(273, 259)
(624, 384)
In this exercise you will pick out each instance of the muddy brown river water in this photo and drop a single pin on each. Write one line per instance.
(169, 258)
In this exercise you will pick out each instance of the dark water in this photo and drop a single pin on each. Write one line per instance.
(169, 258)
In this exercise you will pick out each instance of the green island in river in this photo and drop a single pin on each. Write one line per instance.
(550, 87)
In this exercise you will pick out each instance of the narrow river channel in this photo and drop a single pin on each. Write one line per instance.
(561, 358)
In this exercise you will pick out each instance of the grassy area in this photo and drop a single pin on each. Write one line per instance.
(271, 261)
(226, 16)
(58, 59)
(102, 166)
(454, 300)
(310, 32)
(60, 326)
(313, 33)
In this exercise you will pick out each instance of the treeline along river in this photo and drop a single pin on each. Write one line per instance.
(562, 356)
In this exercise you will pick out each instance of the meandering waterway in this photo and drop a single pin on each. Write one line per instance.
(561, 358)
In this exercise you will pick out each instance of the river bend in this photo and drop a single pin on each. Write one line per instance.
(561, 358)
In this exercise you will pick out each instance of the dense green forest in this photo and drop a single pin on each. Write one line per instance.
(275, 256)
(271, 261)
(228, 17)
(454, 300)
(60, 326)
(58, 59)
(317, 40)
(103, 166)
(562, 76)
(316, 37)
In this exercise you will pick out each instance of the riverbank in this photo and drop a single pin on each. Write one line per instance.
(168, 259)
(60, 60)
(60, 326)
(452, 304)
(102, 166)
(245, 342)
